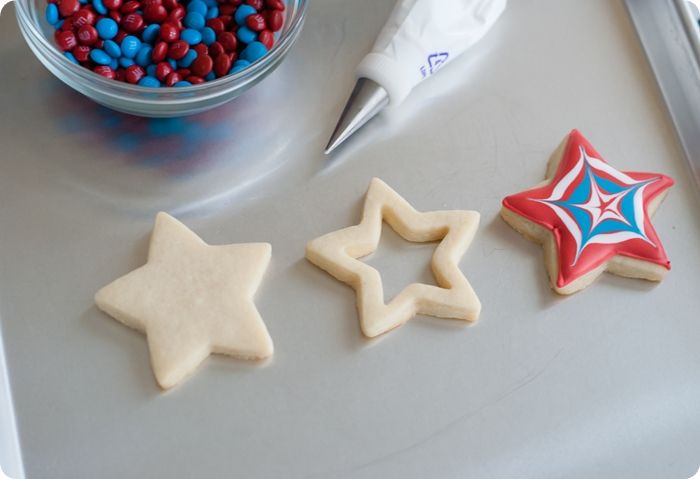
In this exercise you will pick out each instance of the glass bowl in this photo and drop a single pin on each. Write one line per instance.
(152, 102)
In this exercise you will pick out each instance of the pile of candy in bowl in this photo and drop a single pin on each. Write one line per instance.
(165, 43)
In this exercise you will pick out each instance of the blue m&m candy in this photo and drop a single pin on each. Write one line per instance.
(186, 61)
(143, 57)
(213, 12)
(246, 35)
(208, 36)
(100, 57)
(239, 65)
(107, 28)
(182, 83)
(71, 57)
(194, 20)
(112, 49)
(197, 6)
(150, 33)
(130, 46)
(254, 52)
(191, 36)
(243, 12)
(52, 13)
(149, 81)
(99, 7)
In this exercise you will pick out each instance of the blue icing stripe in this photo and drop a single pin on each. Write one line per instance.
(582, 218)
(582, 192)
(609, 226)
(627, 204)
(607, 185)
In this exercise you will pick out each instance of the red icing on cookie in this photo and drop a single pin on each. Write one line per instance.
(594, 211)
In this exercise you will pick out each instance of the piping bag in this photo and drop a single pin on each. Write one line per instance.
(420, 37)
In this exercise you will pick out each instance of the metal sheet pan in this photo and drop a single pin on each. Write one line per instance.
(602, 384)
(669, 33)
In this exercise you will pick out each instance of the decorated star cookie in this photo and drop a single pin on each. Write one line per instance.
(192, 299)
(591, 218)
(338, 254)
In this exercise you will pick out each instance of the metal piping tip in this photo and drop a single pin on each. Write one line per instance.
(366, 100)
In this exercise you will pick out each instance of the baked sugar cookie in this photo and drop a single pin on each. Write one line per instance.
(590, 217)
(338, 253)
(192, 299)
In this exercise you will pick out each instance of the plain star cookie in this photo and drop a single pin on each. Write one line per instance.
(192, 299)
(591, 218)
(338, 253)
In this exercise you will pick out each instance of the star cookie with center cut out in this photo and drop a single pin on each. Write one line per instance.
(591, 218)
(338, 253)
(192, 299)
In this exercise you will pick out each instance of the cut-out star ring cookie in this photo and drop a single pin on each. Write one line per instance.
(192, 299)
(338, 253)
(591, 218)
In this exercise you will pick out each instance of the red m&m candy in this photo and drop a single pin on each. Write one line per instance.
(81, 53)
(67, 24)
(255, 22)
(274, 4)
(87, 35)
(201, 49)
(134, 73)
(130, 7)
(132, 23)
(155, 13)
(195, 80)
(215, 49)
(222, 65)
(163, 69)
(105, 71)
(202, 65)
(178, 49)
(227, 9)
(169, 32)
(228, 41)
(66, 41)
(112, 4)
(217, 25)
(172, 79)
(68, 7)
(160, 52)
(275, 19)
(83, 17)
(267, 38)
